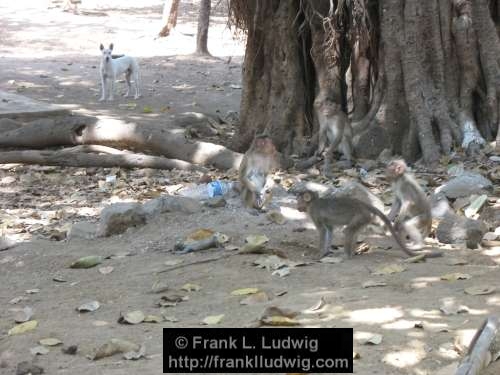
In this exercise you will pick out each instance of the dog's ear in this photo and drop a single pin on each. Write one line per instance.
(101, 47)
(111, 46)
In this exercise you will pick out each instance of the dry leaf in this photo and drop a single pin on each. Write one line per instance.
(89, 307)
(173, 262)
(133, 317)
(244, 291)
(331, 260)
(457, 262)
(276, 217)
(455, 276)
(24, 315)
(282, 272)
(480, 290)
(415, 259)
(153, 319)
(39, 350)
(87, 262)
(376, 339)
(254, 243)
(212, 320)
(278, 320)
(115, 346)
(51, 341)
(106, 270)
(373, 284)
(23, 327)
(191, 287)
(135, 355)
(319, 305)
(389, 269)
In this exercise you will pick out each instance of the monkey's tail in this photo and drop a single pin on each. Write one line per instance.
(387, 222)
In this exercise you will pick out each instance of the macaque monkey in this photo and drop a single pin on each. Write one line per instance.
(411, 210)
(328, 212)
(257, 162)
(334, 127)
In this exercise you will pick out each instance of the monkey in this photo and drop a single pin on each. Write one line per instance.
(334, 127)
(411, 210)
(258, 161)
(327, 212)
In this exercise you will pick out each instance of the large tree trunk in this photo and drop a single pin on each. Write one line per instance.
(203, 23)
(273, 97)
(424, 75)
(170, 12)
(79, 130)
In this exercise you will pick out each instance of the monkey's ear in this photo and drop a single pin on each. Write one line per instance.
(307, 197)
(101, 47)
(111, 46)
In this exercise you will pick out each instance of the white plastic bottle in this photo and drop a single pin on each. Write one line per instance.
(206, 191)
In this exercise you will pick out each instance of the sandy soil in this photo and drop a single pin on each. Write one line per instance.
(53, 56)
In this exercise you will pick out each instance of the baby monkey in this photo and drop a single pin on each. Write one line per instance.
(328, 212)
(334, 127)
(257, 162)
(411, 210)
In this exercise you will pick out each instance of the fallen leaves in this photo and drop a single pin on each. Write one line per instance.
(23, 327)
(87, 262)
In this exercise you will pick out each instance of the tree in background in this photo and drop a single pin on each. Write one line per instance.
(170, 12)
(203, 23)
(418, 76)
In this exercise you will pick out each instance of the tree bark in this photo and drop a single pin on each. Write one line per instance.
(170, 12)
(79, 130)
(203, 23)
(71, 158)
(424, 73)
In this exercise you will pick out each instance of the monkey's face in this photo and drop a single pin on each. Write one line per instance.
(395, 169)
(265, 146)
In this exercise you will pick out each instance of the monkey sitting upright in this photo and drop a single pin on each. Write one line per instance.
(411, 210)
(257, 162)
(334, 127)
(328, 212)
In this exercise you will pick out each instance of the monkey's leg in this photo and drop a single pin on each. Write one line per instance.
(396, 207)
(351, 232)
(335, 137)
(325, 239)
(346, 145)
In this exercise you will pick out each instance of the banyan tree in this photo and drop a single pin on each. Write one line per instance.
(420, 77)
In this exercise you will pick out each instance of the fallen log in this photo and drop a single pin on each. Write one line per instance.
(148, 138)
(478, 355)
(71, 158)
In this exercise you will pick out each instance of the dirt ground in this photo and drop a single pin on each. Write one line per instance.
(53, 56)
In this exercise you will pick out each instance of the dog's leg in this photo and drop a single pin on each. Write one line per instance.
(103, 88)
(128, 73)
(136, 79)
(111, 87)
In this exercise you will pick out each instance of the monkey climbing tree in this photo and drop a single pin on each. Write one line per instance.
(420, 77)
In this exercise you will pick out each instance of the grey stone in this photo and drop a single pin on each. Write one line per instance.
(118, 217)
(216, 202)
(170, 203)
(28, 368)
(7, 243)
(464, 185)
(455, 229)
(491, 215)
(83, 229)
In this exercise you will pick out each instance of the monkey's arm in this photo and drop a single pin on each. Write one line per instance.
(396, 207)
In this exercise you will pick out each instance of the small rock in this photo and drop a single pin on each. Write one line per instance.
(465, 185)
(491, 216)
(118, 217)
(169, 203)
(6, 243)
(71, 350)
(455, 229)
(216, 202)
(83, 229)
(28, 368)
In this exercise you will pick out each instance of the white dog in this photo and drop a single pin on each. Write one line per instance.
(111, 68)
